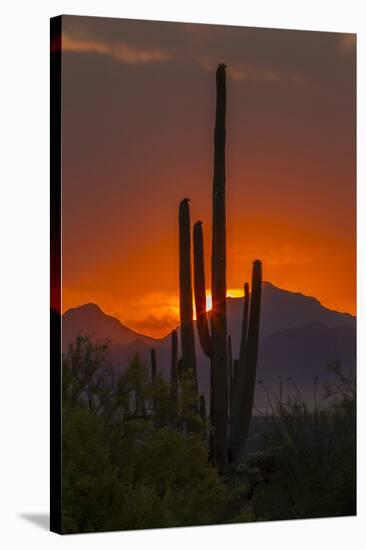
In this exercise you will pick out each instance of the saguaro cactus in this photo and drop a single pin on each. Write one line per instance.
(230, 375)
(218, 279)
(246, 375)
(153, 366)
(153, 377)
(174, 374)
(232, 380)
(215, 346)
(203, 415)
(244, 326)
(185, 291)
(200, 289)
(202, 408)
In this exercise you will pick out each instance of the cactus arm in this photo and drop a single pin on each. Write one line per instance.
(185, 290)
(244, 325)
(200, 289)
(245, 380)
(251, 355)
(239, 366)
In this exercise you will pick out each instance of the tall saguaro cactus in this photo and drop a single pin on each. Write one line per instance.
(185, 291)
(226, 372)
(218, 279)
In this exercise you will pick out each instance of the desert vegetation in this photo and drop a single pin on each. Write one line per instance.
(136, 458)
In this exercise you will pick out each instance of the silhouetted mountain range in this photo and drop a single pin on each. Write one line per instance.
(298, 337)
(91, 320)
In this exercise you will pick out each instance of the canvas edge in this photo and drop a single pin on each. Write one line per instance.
(55, 278)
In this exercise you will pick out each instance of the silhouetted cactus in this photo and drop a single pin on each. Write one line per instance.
(235, 373)
(244, 325)
(200, 289)
(245, 378)
(185, 286)
(153, 366)
(185, 292)
(153, 377)
(203, 414)
(174, 374)
(231, 380)
(218, 280)
(230, 377)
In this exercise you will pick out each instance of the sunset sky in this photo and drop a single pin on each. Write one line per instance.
(137, 136)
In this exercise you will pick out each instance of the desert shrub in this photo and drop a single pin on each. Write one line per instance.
(125, 466)
(308, 463)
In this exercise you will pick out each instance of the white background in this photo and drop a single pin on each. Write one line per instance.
(24, 272)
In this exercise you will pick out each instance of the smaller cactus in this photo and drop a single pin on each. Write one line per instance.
(230, 377)
(244, 325)
(153, 377)
(174, 374)
(200, 289)
(245, 378)
(203, 415)
(202, 408)
(235, 375)
(153, 366)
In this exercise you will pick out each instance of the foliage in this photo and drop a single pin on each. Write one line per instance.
(125, 466)
(129, 463)
(307, 467)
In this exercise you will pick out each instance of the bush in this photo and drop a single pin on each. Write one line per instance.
(308, 463)
(123, 469)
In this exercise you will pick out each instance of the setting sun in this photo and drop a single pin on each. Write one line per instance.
(231, 293)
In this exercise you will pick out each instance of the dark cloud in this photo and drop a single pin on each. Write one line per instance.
(250, 53)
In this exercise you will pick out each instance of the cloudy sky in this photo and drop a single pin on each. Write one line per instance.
(138, 103)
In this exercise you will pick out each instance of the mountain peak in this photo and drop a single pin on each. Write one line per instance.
(90, 320)
(90, 307)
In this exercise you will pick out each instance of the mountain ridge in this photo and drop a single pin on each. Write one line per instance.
(298, 337)
(121, 333)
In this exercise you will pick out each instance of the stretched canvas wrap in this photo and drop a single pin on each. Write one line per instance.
(203, 329)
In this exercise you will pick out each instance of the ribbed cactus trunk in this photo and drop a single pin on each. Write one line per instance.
(244, 326)
(174, 375)
(185, 291)
(219, 369)
(230, 380)
(153, 377)
(202, 408)
(200, 289)
(247, 367)
(235, 375)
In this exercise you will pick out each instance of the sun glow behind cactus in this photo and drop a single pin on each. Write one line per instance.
(231, 293)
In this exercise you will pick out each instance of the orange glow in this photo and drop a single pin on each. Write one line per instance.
(231, 292)
(138, 119)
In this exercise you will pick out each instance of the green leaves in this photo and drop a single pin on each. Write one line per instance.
(127, 465)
